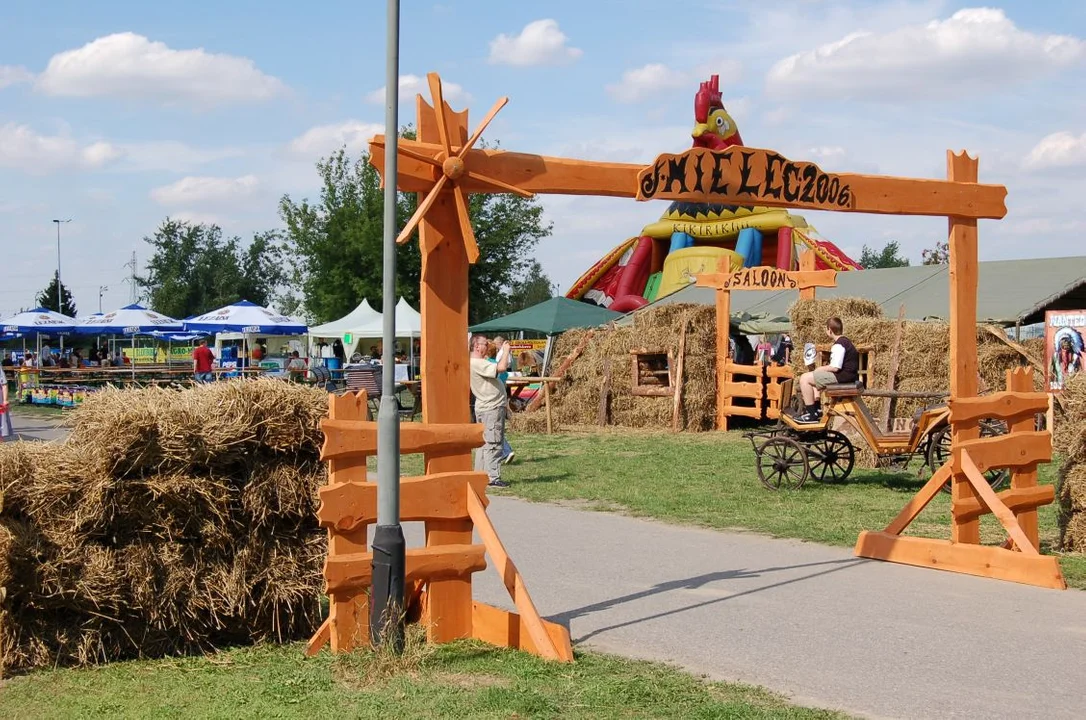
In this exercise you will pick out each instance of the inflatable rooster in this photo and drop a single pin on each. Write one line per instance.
(692, 238)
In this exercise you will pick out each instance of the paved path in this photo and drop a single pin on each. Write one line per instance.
(35, 427)
(806, 620)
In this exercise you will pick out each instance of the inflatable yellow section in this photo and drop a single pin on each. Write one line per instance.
(680, 266)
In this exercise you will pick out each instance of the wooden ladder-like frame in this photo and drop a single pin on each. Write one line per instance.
(349, 506)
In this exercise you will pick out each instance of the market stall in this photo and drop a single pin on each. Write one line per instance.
(240, 328)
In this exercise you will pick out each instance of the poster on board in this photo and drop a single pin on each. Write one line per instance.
(1065, 353)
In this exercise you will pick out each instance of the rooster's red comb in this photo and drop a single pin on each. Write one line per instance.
(707, 98)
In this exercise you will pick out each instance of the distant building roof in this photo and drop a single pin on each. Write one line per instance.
(1008, 291)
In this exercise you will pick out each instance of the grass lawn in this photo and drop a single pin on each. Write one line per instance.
(460, 680)
(709, 479)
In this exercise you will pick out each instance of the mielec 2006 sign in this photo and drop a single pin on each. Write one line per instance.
(740, 175)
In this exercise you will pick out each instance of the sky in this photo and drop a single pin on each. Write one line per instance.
(119, 114)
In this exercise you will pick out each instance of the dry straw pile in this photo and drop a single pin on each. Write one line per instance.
(577, 398)
(169, 522)
(924, 356)
(1069, 440)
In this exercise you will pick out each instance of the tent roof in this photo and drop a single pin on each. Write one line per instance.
(550, 317)
(362, 317)
(1008, 291)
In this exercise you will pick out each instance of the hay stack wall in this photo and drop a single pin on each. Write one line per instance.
(577, 397)
(924, 356)
(168, 522)
(1069, 441)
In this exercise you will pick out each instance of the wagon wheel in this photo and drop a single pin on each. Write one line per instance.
(939, 452)
(783, 461)
(831, 457)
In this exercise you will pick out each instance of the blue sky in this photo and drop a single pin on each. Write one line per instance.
(117, 114)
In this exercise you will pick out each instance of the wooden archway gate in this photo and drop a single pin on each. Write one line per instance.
(443, 166)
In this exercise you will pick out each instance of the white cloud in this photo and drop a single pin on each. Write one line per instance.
(411, 85)
(324, 139)
(171, 155)
(206, 190)
(643, 82)
(22, 148)
(974, 48)
(130, 65)
(1058, 150)
(541, 42)
(13, 74)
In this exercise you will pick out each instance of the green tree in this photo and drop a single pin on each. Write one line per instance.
(939, 255)
(194, 269)
(888, 257)
(532, 290)
(47, 298)
(334, 245)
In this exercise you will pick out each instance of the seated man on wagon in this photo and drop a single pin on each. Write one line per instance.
(844, 367)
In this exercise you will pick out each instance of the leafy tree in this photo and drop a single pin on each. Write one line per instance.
(532, 290)
(193, 269)
(939, 255)
(888, 257)
(47, 298)
(334, 246)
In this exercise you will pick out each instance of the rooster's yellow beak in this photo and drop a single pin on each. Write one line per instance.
(699, 130)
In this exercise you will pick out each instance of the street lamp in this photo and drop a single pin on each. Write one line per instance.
(60, 305)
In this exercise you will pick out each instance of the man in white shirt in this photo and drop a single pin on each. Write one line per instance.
(490, 404)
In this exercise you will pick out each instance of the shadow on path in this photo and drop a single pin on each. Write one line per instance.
(696, 582)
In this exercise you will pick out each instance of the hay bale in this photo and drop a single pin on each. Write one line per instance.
(169, 522)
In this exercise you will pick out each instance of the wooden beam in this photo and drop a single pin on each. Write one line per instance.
(1015, 450)
(443, 496)
(604, 417)
(1017, 500)
(346, 438)
(980, 560)
(508, 629)
(723, 327)
(1024, 480)
(347, 573)
(895, 361)
(677, 405)
(750, 390)
(1007, 405)
(565, 176)
(919, 501)
(536, 401)
(1002, 513)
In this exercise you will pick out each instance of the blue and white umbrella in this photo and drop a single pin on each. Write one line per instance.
(132, 319)
(38, 321)
(245, 317)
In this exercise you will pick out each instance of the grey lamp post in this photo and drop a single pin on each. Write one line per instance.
(60, 304)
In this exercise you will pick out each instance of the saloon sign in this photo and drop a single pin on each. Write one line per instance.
(741, 175)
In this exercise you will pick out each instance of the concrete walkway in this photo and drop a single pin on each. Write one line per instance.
(809, 621)
(33, 426)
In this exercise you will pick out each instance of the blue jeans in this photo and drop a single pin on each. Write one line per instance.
(205, 377)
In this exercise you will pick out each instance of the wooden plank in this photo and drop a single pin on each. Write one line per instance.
(604, 417)
(980, 560)
(779, 371)
(767, 278)
(647, 391)
(1020, 449)
(1002, 513)
(507, 629)
(895, 360)
(547, 402)
(320, 638)
(564, 176)
(1006, 405)
(807, 263)
(351, 573)
(348, 617)
(514, 583)
(919, 501)
(742, 389)
(431, 497)
(750, 370)
(723, 325)
(534, 403)
(445, 386)
(1034, 363)
(962, 240)
(1024, 480)
(677, 404)
(1021, 501)
(344, 438)
(751, 412)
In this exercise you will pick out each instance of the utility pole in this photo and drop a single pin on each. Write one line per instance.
(101, 289)
(60, 304)
(131, 280)
(389, 548)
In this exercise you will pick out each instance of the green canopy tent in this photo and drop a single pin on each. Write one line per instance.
(549, 318)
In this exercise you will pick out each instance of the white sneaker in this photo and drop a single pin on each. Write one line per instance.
(509, 458)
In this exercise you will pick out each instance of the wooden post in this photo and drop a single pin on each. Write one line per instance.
(1021, 380)
(547, 400)
(895, 360)
(723, 330)
(677, 384)
(445, 371)
(604, 417)
(807, 262)
(963, 340)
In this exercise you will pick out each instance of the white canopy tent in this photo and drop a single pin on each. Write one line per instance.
(365, 323)
(362, 317)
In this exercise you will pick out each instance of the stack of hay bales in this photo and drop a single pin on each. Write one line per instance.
(576, 400)
(924, 356)
(168, 522)
(1069, 440)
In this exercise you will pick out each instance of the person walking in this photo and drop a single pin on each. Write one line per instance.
(202, 361)
(490, 405)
